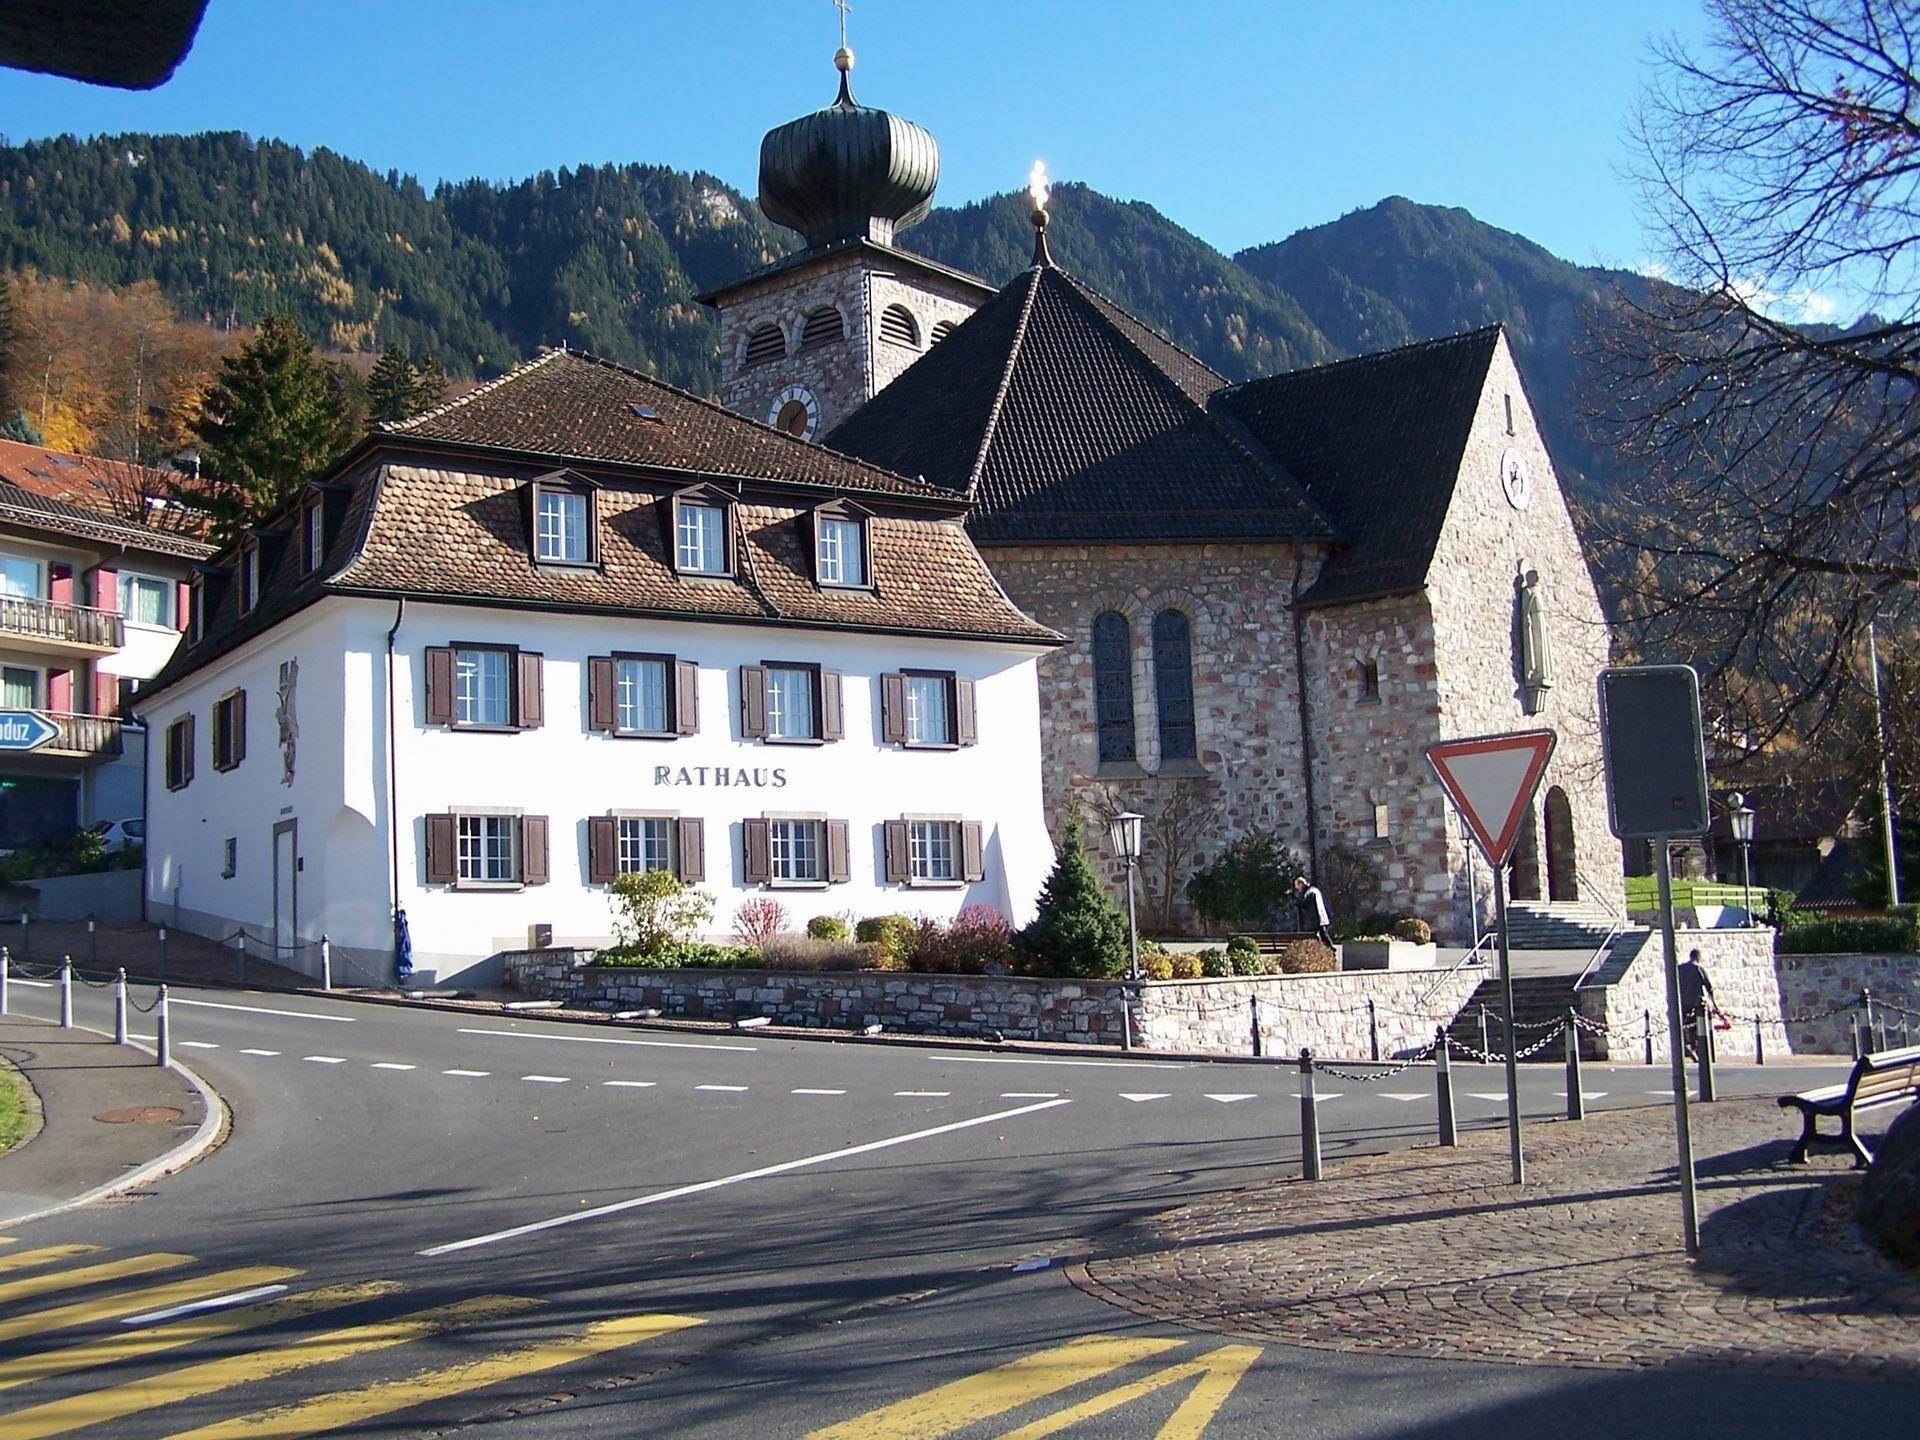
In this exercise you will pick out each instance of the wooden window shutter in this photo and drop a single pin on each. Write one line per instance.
(686, 698)
(753, 702)
(832, 720)
(753, 844)
(533, 849)
(973, 851)
(603, 843)
(899, 866)
(965, 730)
(106, 693)
(839, 871)
(893, 709)
(690, 850)
(106, 588)
(237, 740)
(440, 850)
(183, 606)
(439, 685)
(532, 696)
(602, 712)
(186, 752)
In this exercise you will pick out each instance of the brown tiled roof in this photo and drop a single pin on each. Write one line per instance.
(89, 499)
(575, 407)
(1065, 420)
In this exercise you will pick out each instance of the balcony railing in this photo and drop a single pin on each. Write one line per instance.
(93, 737)
(62, 624)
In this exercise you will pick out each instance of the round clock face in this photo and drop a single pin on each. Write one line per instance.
(1516, 479)
(795, 411)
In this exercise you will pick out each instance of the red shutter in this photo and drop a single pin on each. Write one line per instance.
(603, 849)
(899, 866)
(602, 713)
(753, 844)
(183, 605)
(690, 850)
(106, 693)
(440, 850)
(439, 685)
(832, 725)
(753, 702)
(533, 849)
(973, 855)
(60, 690)
(838, 869)
(532, 696)
(60, 584)
(686, 698)
(106, 588)
(964, 729)
(893, 709)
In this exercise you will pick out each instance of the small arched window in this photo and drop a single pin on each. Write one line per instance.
(940, 331)
(1369, 682)
(1173, 684)
(898, 327)
(764, 343)
(822, 327)
(1113, 686)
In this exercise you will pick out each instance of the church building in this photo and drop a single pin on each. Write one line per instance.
(1275, 593)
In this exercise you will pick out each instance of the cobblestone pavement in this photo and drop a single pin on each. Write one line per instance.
(1433, 1253)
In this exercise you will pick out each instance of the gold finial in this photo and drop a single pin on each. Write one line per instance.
(843, 57)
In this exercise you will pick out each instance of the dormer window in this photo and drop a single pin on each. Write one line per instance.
(313, 533)
(822, 327)
(898, 327)
(700, 537)
(765, 343)
(840, 548)
(563, 529)
(249, 578)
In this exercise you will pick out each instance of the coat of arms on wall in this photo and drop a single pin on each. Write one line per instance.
(284, 716)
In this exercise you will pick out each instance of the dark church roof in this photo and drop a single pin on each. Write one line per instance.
(1377, 442)
(1065, 420)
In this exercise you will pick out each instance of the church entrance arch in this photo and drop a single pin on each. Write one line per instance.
(1563, 874)
(1523, 871)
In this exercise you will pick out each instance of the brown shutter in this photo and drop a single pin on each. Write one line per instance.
(183, 606)
(686, 698)
(753, 843)
(753, 702)
(838, 870)
(964, 730)
(237, 742)
(533, 849)
(439, 685)
(690, 850)
(832, 724)
(973, 854)
(440, 850)
(532, 695)
(602, 713)
(899, 865)
(603, 849)
(893, 709)
(106, 588)
(186, 753)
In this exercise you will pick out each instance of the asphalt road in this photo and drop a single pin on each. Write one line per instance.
(685, 1234)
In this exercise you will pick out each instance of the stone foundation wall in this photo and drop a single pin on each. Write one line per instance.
(1812, 985)
(1633, 985)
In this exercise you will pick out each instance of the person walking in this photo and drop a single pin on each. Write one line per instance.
(1696, 995)
(1311, 908)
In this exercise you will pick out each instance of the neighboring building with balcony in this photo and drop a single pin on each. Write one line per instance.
(92, 604)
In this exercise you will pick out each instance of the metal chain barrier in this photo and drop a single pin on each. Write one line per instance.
(1473, 1053)
(1418, 1057)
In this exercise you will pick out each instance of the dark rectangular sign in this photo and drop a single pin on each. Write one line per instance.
(1656, 759)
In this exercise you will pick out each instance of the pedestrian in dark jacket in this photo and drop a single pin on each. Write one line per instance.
(1311, 908)
(1696, 996)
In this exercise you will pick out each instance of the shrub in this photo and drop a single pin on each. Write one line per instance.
(1248, 883)
(1214, 963)
(1157, 967)
(1412, 928)
(1308, 957)
(810, 952)
(1186, 967)
(894, 934)
(1779, 908)
(829, 927)
(758, 920)
(679, 955)
(977, 939)
(1374, 925)
(1244, 957)
(652, 910)
(1078, 930)
(1847, 935)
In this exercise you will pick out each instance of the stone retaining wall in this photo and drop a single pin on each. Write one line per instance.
(1632, 986)
(1815, 984)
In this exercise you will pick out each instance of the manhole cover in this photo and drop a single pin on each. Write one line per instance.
(140, 1115)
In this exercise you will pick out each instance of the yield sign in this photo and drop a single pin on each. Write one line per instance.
(1491, 778)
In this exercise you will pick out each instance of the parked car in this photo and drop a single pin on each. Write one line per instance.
(118, 835)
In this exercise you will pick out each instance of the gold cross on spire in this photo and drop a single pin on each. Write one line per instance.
(844, 8)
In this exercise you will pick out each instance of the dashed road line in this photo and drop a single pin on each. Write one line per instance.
(609, 1040)
(921, 1094)
(198, 1045)
(546, 1079)
(816, 1092)
(467, 1074)
(390, 1065)
(1029, 1094)
(326, 1059)
(629, 1084)
(726, 1089)
(259, 1052)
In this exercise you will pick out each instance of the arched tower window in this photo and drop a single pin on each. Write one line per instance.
(1173, 684)
(941, 329)
(1369, 682)
(1113, 686)
(764, 343)
(822, 327)
(898, 327)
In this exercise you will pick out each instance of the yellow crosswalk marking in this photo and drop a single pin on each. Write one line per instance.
(57, 1417)
(133, 1302)
(170, 1335)
(951, 1407)
(89, 1275)
(1218, 1372)
(323, 1413)
(46, 1255)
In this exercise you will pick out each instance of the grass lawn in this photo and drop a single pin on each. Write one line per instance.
(15, 1116)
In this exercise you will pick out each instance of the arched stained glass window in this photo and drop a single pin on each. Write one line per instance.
(1173, 684)
(1113, 686)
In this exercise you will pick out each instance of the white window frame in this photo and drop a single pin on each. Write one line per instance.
(129, 579)
(481, 821)
(315, 534)
(39, 678)
(789, 838)
(11, 557)
(249, 579)
(843, 552)
(562, 535)
(644, 843)
(915, 717)
(693, 541)
(625, 711)
(778, 715)
(463, 694)
(925, 834)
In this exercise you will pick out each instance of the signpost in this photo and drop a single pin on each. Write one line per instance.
(1491, 780)
(22, 730)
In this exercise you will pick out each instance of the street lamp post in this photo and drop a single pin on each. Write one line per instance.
(1740, 818)
(1123, 832)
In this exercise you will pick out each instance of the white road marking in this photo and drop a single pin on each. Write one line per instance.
(1028, 1094)
(818, 1092)
(1587, 1094)
(36, 984)
(1036, 1060)
(389, 1065)
(629, 1084)
(1321, 1097)
(609, 1040)
(763, 1173)
(326, 1059)
(1401, 1095)
(217, 1302)
(1499, 1096)
(1138, 1099)
(198, 1045)
(1667, 1093)
(546, 1079)
(263, 1010)
(467, 1074)
(259, 1052)
(919, 1094)
(728, 1089)
(1232, 1099)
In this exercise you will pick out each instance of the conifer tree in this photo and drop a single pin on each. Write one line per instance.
(390, 387)
(269, 422)
(6, 335)
(1077, 930)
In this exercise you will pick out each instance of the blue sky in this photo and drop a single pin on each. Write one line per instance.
(1243, 120)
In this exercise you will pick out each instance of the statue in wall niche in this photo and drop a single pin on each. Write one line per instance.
(1536, 648)
(284, 716)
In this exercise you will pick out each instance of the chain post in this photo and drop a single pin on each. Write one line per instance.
(1373, 1030)
(1646, 1017)
(240, 956)
(1486, 1040)
(93, 946)
(1704, 1041)
(1309, 1121)
(162, 1031)
(1576, 1100)
(326, 963)
(1253, 1010)
(163, 954)
(66, 992)
(1759, 1042)
(1443, 1086)
(120, 1008)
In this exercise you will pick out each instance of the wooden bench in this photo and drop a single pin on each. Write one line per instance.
(1882, 1079)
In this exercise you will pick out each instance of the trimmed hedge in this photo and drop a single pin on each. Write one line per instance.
(1850, 934)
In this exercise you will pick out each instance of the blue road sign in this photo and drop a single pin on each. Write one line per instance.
(25, 730)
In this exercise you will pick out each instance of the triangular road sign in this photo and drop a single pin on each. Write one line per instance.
(1491, 778)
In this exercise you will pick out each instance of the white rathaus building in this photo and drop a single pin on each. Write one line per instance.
(576, 623)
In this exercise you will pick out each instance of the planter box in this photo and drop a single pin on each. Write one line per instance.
(1387, 955)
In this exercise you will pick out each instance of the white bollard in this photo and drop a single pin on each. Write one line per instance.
(162, 1038)
(120, 1008)
(66, 992)
(326, 963)
(6, 963)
